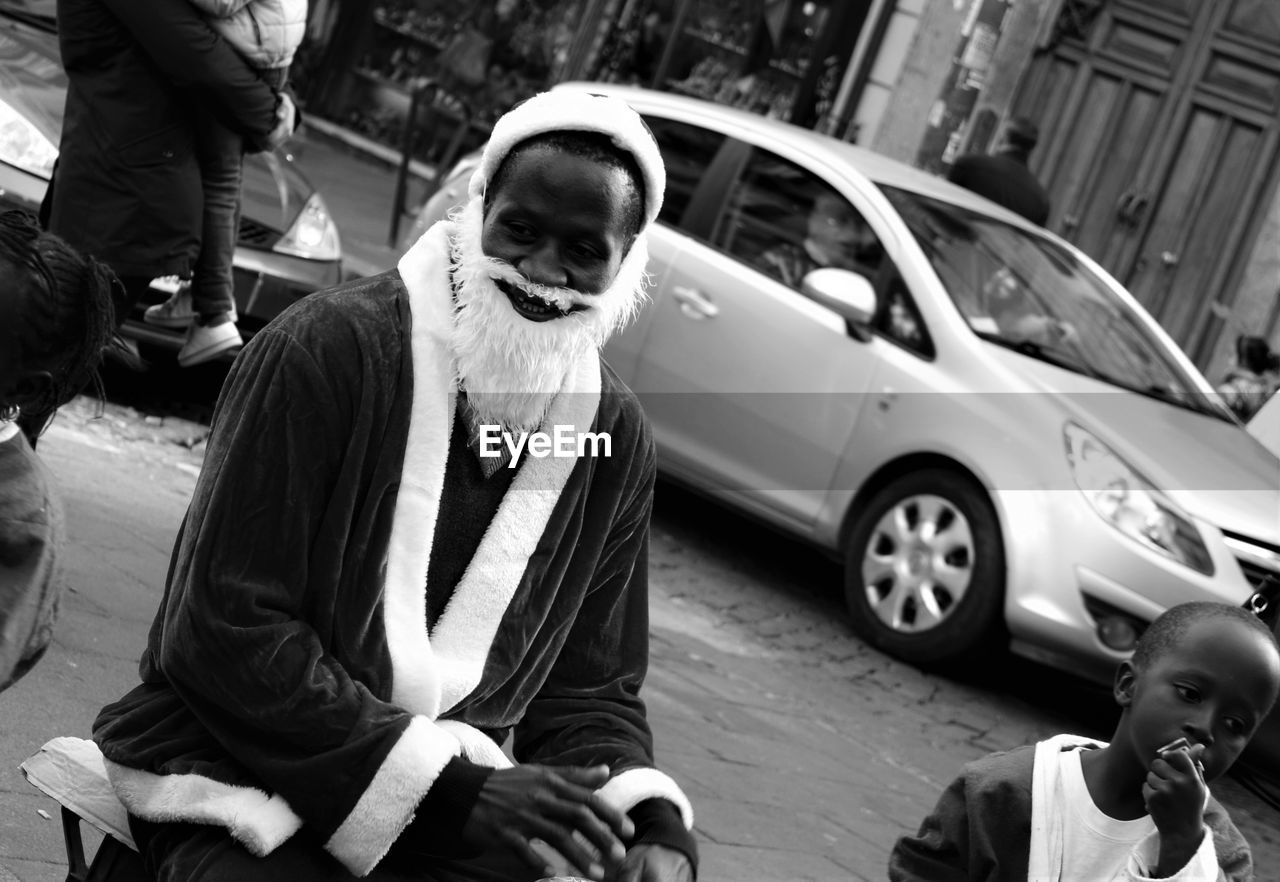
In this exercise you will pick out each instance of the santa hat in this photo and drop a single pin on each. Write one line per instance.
(565, 110)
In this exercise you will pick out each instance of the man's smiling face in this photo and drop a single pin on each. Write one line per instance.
(548, 261)
(563, 221)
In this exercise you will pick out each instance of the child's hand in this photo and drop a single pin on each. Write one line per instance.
(1175, 794)
(286, 122)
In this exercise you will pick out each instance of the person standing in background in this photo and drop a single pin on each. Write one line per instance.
(127, 186)
(266, 33)
(1003, 176)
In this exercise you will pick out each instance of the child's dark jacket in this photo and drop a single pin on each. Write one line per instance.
(980, 830)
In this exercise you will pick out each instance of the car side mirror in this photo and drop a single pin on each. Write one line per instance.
(847, 294)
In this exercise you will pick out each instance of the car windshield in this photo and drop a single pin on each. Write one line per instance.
(40, 12)
(1030, 294)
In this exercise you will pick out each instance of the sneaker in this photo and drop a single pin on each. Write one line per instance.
(205, 343)
(177, 311)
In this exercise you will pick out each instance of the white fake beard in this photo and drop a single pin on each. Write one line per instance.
(512, 367)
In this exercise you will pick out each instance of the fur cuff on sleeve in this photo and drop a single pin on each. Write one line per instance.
(632, 786)
(387, 806)
(258, 821)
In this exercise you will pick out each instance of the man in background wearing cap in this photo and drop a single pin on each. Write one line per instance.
(1003, 176)
(367, 594)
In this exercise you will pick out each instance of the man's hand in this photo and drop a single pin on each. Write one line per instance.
(1174, 794)
(556, 805)
(654, 863)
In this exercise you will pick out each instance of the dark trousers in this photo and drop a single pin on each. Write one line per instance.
(202, 853)
(221, 154)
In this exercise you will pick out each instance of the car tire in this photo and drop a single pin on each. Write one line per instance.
(924, 569)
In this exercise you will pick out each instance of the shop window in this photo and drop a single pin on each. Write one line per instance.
(785, 222)
(687, 151)
(403, 47)
(487, 56)
(780, 58)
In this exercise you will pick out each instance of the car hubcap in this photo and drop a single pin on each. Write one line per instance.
(918, 563)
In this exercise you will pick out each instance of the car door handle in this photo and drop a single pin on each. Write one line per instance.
(693, 303)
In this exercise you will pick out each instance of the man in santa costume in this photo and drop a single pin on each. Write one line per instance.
(361, 606)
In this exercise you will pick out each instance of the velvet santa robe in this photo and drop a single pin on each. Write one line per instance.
(289, 678)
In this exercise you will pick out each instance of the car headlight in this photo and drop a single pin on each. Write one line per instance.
(313, 234)
(23, 145)
(1131, 504)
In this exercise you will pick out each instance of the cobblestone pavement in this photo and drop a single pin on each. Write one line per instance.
(805, 753)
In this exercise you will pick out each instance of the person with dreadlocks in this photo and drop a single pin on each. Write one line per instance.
(56, 319)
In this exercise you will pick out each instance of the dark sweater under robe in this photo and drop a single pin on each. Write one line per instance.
(289, 678)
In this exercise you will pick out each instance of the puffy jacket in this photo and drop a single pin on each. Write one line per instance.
(127, 185)
(265, 32)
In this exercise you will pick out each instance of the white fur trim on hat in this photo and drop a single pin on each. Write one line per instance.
(567, 110)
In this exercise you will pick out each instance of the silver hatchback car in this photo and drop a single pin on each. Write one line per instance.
(997, 440)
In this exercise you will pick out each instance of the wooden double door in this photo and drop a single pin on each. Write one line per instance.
(1159, 145)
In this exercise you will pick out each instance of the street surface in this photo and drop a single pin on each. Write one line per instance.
(805, 753)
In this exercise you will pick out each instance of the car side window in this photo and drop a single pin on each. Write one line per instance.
(785, 221)
(687, 150)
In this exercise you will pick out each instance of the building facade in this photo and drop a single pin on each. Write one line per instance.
(1160, 137)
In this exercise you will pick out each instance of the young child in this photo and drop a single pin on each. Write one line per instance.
(56, 320)
(266, 33)
(1201, 680)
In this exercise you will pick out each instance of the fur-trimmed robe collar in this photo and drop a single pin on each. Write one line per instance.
(432, 674)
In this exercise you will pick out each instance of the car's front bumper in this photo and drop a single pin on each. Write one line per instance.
(1062, 552)
(1063, 558)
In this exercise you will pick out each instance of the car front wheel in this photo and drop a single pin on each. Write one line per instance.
(924, 573)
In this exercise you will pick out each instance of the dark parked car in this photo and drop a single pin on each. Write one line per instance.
(288, 244)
